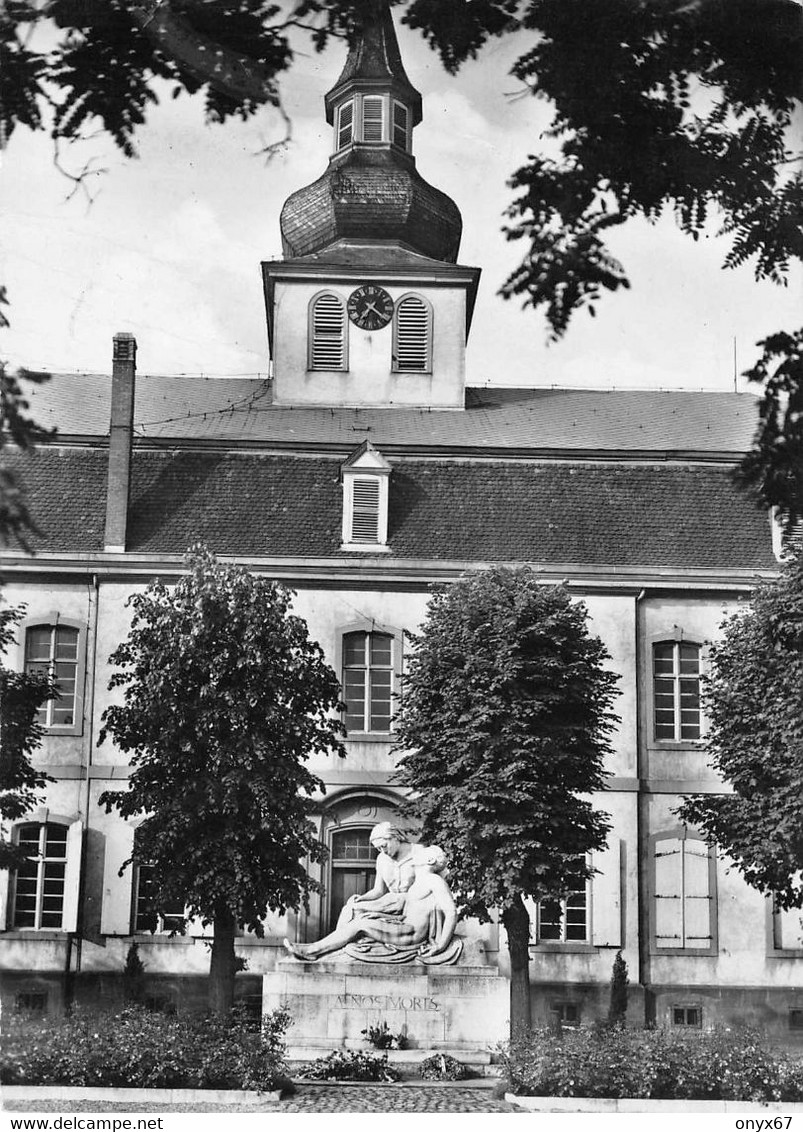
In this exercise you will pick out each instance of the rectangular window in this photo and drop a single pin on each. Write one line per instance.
(796, 1019)
(787, 928)
(345, 124)
(400, 125)
(39, 882)
(676, 690)
(53, 650)
(373, 116)
(565, 1013)
(683, 897)
(365, 510)
(368, 681)
(687, 1016)
(147, 918)
(566, 920)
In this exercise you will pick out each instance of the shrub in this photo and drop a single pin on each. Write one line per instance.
(136, 1048)
(658, 1064)
(617, 1009)
(381, 1037)
(351, 1065)
(442, 1067)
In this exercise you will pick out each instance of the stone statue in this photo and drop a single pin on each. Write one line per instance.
(409, 915)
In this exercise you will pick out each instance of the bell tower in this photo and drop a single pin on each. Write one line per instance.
(368, 307)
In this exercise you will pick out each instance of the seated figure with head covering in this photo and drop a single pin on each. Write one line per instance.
(400, 922)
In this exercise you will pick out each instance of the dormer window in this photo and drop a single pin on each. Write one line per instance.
(412, 335)
(401, 118)
(328, 340)
(365, 500)
(345, 124)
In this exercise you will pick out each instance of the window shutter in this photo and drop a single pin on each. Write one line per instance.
(365, 510)
(372, 119)
(606, 896)
(412, 345)
(400, 125)
(328, 333)
(116, 911)
(697, 893)
(4, 878)
(668, 892)
(72, 877)
(345, 124)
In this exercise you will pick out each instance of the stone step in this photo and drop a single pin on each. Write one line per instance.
(479, 1060)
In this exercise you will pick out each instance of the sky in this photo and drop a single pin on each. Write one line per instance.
(170, 246)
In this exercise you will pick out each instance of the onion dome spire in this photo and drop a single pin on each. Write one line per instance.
(371, 191)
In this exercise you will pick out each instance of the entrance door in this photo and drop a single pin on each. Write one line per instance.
(352, 868)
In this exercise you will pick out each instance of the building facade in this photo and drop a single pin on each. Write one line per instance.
(363, 474)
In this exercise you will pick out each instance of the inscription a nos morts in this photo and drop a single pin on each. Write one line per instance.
(387, 1002)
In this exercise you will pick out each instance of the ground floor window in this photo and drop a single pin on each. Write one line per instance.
(39, 882)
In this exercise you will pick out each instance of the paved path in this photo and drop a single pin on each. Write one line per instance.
(315, 1098)
(390, 1098)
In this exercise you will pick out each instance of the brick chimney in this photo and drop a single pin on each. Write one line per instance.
(121, 431)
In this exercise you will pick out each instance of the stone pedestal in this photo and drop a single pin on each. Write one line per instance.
(332, 1001)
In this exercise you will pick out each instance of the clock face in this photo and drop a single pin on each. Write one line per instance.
(370, 307)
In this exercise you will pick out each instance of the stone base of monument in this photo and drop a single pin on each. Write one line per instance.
(459, 1007)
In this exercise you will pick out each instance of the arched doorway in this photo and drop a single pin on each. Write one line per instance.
(348, 819)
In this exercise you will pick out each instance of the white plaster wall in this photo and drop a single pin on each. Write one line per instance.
(613, 619)
(369, 380)
(742, 958)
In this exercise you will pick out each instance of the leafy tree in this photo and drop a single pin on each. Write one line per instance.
(225, 699)
(753, 697)
(21, 696)
(681, 105)
(504, 717)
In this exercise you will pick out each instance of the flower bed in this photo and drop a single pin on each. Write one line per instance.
(351, 1065)
(652, 1064)
(136, 1048)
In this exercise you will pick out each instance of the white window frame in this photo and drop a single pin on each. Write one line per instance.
(426, 351)
(314, 338)
(356, 479)
(382, 101)
(339, 127)
(54, 621)
(367, 669)
(676, 677)
(397, 105)
(687, 943)
(72, 875)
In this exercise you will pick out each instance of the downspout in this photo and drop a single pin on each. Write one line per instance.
(75, 939)
(641, 825)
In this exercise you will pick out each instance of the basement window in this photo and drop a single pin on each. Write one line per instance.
(687, 1016)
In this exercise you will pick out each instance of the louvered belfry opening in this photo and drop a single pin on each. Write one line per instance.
(372, 115)
(365, 509)
(412, 328)
(328, 333)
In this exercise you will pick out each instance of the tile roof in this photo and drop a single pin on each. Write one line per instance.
(235, 411)
(255, 505)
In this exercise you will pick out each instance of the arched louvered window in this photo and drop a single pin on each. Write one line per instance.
(400, 125)
(412, 335)
(328, 343)
(373, 118)
(345, 124)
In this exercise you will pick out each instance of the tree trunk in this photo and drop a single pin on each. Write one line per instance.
(517, 926)
(223, 965)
